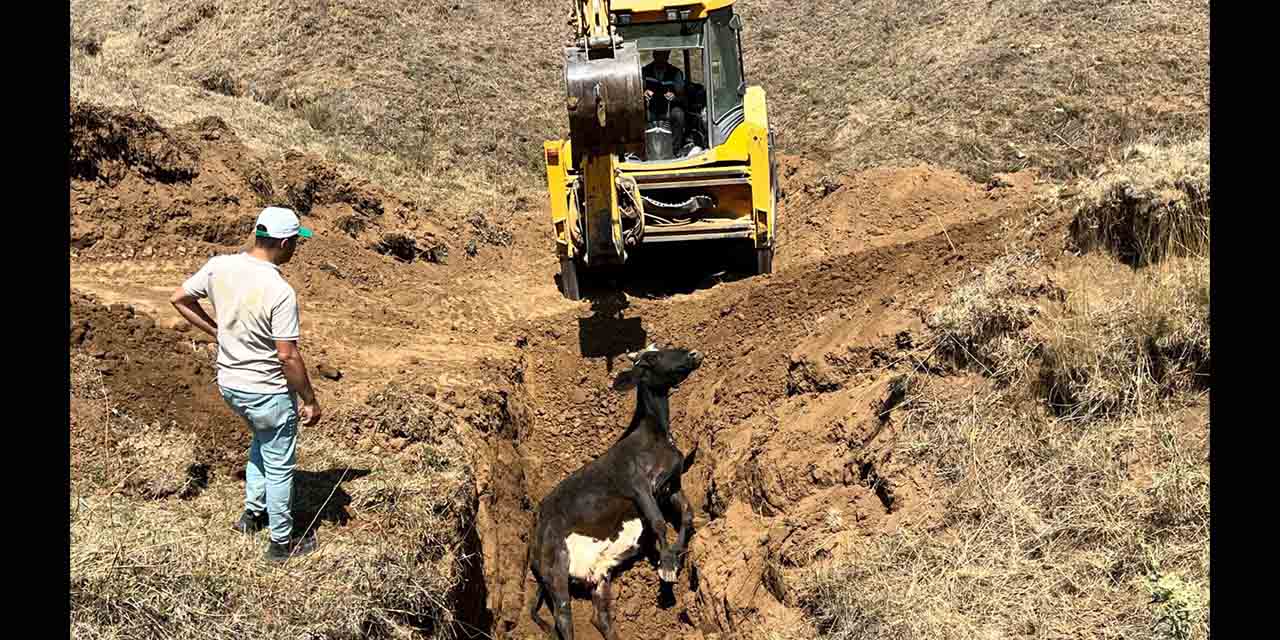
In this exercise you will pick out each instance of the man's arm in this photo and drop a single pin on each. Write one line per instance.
(295, 373)
(189, 307)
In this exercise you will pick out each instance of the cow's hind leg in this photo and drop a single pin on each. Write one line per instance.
(539, 598)
(559, 598)
(602, 600)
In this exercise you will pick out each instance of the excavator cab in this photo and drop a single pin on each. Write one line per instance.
(668, 142)
(672, 55)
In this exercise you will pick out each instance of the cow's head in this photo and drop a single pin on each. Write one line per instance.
(658, 368)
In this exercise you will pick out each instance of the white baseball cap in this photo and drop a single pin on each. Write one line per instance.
(279, 222)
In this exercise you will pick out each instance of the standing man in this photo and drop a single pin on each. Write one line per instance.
(260, 368)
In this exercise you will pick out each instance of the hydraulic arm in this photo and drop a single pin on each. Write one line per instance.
(605, 101)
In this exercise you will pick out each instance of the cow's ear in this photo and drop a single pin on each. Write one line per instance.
(625, 380)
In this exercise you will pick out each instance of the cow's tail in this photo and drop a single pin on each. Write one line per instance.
(688, 460)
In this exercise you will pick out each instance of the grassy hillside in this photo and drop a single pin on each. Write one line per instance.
(443, 89)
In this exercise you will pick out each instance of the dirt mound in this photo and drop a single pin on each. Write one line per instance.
(107, 143)
(309, 182)
(163, 378)
(204, 188)
(122, 208)
(823, 215)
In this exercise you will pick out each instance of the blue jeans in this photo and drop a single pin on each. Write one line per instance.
(268, 478)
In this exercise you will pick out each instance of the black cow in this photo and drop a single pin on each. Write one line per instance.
(592, 521)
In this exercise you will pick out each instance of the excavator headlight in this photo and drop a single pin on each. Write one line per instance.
(684, 15)
(623, 18)
(671, 15)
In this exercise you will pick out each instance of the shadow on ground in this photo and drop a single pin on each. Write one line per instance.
(320, 498)
(664, 270)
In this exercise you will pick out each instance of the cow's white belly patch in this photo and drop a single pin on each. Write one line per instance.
(590, 560)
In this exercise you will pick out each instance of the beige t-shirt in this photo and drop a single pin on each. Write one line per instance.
(253, 307)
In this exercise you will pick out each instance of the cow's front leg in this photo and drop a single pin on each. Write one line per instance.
(658, 525)
(671, 561)
(652, 516)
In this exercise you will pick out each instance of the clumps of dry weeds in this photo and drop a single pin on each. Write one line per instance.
(157, 465)
(397, 552)
(1049, 530)
(983, 321)
(1125, 340)
(1098, 339)
(397, 556)
(113, 451)
(1151, 203)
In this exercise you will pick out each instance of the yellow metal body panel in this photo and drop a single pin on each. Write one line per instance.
(641, 9)
(756, 136)
(564, 209)
(603, 222)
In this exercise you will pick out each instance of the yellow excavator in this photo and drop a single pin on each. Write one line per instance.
(667, 142)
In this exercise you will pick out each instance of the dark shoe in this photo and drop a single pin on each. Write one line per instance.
(250, 523)
(277, 552)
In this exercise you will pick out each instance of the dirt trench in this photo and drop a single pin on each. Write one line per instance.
(792, 416)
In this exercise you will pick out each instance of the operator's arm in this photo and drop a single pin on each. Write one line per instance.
(295, 373)
(651, 84)
(186, 300)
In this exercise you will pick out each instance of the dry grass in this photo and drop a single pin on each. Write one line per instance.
(397, 544)
(455, 95)
(983, 320)
(159, 465)
(1150, 204)
(1126, 340)
(450, 90)
(1050, 531)
(1074, 476)
(1095, 338)
(102, 137)
(979, 86)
